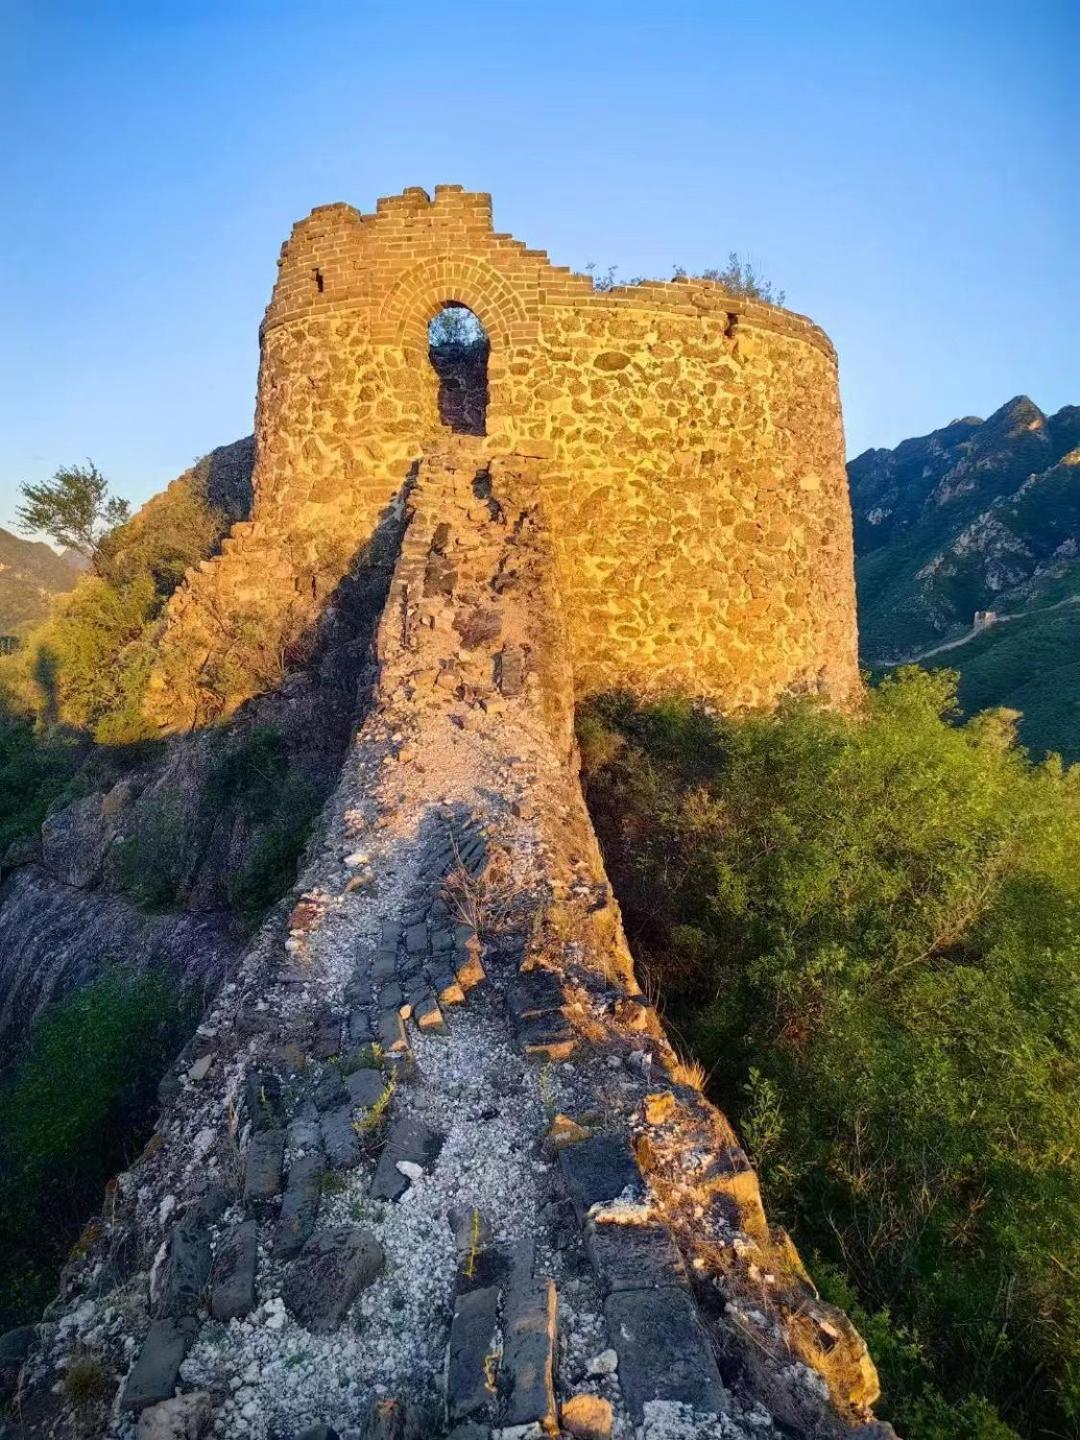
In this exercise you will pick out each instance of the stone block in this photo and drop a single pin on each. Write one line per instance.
(411, 1141)
(548, 1037)
(528, 1362)
(262, 1096)
(188, 1267)
(232, 1279)
(154, 1375)
(263, 1166)
(329, 1273)
(664, 1352)
(537, 992)
(470, 1358)
(299, 1206)
(340, 1140)
(634, 1257)
(392, 1032)
(598, 1171)
(326, 1041)
(365, 1087)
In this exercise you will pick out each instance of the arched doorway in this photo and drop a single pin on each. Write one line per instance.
(458, 348)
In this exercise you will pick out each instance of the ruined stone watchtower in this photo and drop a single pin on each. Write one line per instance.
(689, 444)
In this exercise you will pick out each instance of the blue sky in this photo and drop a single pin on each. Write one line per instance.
(907, 172)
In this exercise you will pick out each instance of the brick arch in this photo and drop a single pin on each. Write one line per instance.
(426, 287)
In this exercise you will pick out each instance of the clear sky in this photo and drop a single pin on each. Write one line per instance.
(909, 172)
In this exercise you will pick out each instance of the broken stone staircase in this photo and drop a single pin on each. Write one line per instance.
(430, 1166)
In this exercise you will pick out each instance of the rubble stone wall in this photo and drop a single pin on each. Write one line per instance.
(690, 442)
(430, 1166)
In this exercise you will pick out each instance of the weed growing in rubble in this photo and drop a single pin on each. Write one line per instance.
(474, 1244)
(370, 1124)
(483, 901)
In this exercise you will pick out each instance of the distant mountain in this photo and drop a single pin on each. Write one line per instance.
(981, 516)
(31, 573)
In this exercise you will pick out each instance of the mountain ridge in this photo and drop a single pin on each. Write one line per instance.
(980, 517)
(31, 573)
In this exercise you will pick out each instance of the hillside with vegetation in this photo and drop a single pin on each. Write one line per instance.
(865, 928)
(31, 574)
(983, 515)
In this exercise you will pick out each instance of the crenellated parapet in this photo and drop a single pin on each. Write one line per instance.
(690, 443)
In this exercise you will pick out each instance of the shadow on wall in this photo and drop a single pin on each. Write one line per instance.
(458, 347)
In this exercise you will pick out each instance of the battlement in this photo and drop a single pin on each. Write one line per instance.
(343, 244)
(691, 447)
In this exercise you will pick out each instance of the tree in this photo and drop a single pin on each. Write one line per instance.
(455, 325)
(74, 508)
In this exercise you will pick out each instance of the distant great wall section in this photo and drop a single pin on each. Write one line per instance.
(688, 442)
(430, 1166)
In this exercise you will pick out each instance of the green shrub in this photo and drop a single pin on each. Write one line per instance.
(88, 666)
(270, 867)
(249, 773)
(73, 1112)
(149, 864)
(36, 766)
(881, 914)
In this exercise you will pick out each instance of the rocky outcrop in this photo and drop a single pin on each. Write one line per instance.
(431, 1166)
(55, 939)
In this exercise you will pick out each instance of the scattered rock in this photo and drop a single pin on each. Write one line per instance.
(201, 1068)
(587, 1417)
(186, 1417)
(564, 1131)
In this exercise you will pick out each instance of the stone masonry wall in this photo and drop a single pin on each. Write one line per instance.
(430, 1168)
(690, 444)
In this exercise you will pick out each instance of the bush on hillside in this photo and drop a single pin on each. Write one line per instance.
(74, 508)
(35, 770)
(868, 930)
(88, 666)
(74, 1111)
